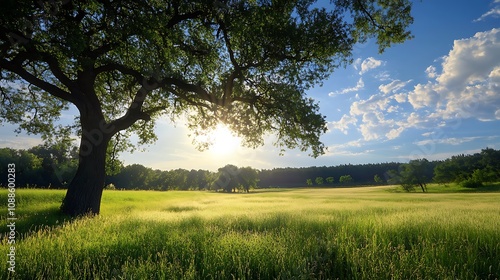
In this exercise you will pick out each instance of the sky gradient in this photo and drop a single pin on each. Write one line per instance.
(434, 96)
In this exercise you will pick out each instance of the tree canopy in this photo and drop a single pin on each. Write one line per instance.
(123, 64)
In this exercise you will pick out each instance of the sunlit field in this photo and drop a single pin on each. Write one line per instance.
(347, 233)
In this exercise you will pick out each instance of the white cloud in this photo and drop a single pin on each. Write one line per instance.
(359, 86)
(393, 86)
(423, 96)
(469, 84)
(369, 64)
(400, 97)
(375, 127)
(494, 12)
(374, 103)
(343, 123)
(419, 121)
(466, 86)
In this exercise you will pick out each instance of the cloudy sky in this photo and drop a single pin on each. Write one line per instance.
(434, 96)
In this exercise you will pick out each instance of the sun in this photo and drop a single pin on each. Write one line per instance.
(223, 141)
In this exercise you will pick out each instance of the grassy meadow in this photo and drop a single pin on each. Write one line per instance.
(335, 233)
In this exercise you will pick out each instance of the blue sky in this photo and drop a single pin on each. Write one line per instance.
(434, 96)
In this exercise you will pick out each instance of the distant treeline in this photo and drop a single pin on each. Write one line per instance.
(294, 177)
(53, 167)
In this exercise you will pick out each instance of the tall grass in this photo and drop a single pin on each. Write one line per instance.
(358, 233)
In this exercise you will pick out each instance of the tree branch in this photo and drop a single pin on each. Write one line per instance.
(56, 70)
(202, 93)
(32, 79)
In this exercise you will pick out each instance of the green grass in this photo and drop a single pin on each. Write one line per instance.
(348, 233)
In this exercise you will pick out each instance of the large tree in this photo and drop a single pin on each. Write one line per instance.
(123, 64)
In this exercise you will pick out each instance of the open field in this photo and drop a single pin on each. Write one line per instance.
(348, 233)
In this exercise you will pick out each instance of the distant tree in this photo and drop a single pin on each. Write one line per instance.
(319, 181)
(192, 180)
(444, 172)
(490, 163)
(457, 168)
(345, 179)
(59, 163)
(27, 166)
(248, 178)
(135, 176)
(378, 179)
(414, 174)
(330, 180)
(228, 178)
(309, 182)
(178, 179)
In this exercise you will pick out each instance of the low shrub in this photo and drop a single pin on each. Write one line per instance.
(471, 184)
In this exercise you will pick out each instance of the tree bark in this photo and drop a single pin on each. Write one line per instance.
(85, 190)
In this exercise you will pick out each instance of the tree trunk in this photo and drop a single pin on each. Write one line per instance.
(85, 190)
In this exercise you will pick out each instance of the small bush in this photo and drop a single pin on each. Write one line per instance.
(471, 184)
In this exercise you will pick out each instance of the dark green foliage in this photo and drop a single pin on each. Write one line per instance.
(231, 178)
(296, 177)
(41, 166)
(471, 183)
(483, 167)
(415, 174)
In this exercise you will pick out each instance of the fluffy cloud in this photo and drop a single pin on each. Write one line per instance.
(369, 64)
(423, 96)
(375, 126)
(469, 84)
(400, 97)
(343, 124)
(376, 102)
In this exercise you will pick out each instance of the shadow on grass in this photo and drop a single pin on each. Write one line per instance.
(33, 222)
